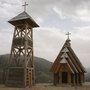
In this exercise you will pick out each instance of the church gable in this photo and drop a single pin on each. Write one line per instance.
(67, 56)
(67, 68)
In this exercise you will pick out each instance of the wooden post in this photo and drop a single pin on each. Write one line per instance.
(74, 79)
(82, 78)
(69, 78)
(54, 79)
(60, 78)
(77, 79)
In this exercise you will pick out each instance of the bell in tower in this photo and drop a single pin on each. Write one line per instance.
(20, 72)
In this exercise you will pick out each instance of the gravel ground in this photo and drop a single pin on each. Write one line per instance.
(49, 87)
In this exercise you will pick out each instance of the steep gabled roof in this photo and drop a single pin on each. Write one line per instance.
(72, 60)
(23, 17)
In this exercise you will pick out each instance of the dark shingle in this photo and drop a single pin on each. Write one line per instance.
(22, 17)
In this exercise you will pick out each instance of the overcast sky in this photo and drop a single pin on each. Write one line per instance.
(55, 18)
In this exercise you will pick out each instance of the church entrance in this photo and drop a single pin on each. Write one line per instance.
(64, 77)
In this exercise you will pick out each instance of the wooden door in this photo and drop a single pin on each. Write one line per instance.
(64, 77)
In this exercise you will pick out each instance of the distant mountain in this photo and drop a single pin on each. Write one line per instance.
(42, 67)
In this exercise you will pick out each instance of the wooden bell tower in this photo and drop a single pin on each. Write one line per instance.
(20, 72)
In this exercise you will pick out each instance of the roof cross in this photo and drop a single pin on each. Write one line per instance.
(68, 34)
(25, 6)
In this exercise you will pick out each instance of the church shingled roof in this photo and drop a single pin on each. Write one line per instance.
(72, 60)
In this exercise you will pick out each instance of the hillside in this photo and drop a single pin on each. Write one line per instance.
(42, 67)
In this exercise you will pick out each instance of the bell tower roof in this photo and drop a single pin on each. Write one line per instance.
(22, 18)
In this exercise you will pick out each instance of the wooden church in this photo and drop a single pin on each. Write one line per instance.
(67, 68)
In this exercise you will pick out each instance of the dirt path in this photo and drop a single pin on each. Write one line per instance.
(48, 87)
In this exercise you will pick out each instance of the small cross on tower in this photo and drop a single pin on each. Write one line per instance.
(25, 6)
(68, 34)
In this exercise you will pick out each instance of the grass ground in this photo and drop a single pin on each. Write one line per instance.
(49, 87)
